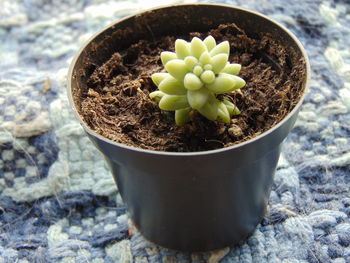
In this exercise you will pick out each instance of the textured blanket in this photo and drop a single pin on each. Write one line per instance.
(58, 202)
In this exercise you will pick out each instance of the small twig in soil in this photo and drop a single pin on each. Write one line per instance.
(216, 141)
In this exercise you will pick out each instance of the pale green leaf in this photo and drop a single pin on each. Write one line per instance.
(205, 58)
(190, 62)
(232, 108)
(233, 68)
(208, 77)
(240, 83)
(236, 111)
(210, 109)
(182, 116)
(197, 98)
(223, 113)
(158, 77)
(223, 47)
(198, 70)
(156, 95)
(208, 67)
(177, 68)
(222, 84)
(219, 62)
(226, 83)
(210, 42)
(192, 82)
(182, 48)
(197, 47)
(172, 86)
(166, 56)
(173, 102)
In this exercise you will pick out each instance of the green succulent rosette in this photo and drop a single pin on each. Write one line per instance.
(196, 72)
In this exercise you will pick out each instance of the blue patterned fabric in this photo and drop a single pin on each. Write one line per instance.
(58, 202)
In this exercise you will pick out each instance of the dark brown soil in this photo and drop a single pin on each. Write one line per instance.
(117, 106)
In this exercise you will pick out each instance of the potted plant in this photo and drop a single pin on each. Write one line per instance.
(200, 200)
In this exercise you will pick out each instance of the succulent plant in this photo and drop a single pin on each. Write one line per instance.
(197, 72)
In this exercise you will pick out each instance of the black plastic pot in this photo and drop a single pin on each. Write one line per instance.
(189, 201)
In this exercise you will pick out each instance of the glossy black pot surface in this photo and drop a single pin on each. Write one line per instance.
(189, 201)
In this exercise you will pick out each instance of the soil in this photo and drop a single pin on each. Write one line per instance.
(117, 106)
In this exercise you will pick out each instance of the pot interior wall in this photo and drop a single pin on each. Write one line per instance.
(173, 20)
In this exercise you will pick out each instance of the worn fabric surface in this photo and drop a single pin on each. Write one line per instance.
(58, 202)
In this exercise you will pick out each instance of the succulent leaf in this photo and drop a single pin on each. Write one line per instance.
(190, 62)
(223, 113)
(210, 42)
(229, 105)
(223, 83)
(197, 98)
(236, 111)
(172, 86)
(177, 68)
(192, 82)
(232, 108)
(223, 47)
(158, 77)
(197, 47)
(219, 62)
(182, 48)
(173, 102)
(205, 58)
(210, 109)
(197, 70)
(208, 77)
(208, 67)
(156, 95)
(166, 56)
(233, 68)
(240, 83)
(182, 116)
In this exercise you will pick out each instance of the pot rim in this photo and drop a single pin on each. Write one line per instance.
(181, 154)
